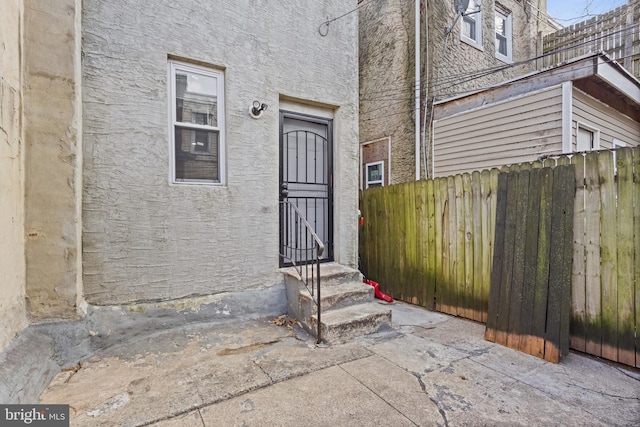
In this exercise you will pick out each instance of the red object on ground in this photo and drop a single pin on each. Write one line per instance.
(376, 290)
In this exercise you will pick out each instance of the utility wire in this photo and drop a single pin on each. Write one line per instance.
(326, 23)
(443, 83)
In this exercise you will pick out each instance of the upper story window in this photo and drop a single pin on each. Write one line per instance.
(504, 37)
(472, 24)
(197, 124)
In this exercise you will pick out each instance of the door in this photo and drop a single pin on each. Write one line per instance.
(306, 177)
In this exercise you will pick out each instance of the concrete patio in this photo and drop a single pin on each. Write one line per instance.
(430, 369)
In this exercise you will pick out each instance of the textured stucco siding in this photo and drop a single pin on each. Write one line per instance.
(611, 123)
(145, 239)
(12, 271)
(53, 158)
(517, 130)
(387, 95)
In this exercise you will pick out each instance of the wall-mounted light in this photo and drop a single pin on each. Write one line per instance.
(257, 108)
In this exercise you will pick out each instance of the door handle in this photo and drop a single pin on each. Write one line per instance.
(285, 189)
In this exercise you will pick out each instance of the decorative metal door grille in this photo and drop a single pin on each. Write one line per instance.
(305, 180)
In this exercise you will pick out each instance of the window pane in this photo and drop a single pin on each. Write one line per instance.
(585, 140)
(500, 26)
(501, 45)
(469, 27)
(196, 98)
(196, 153)
(374, 172)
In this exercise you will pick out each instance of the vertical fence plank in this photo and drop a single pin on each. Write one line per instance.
(568, 192)
(440, 232)
(458, 255)
(536, 343)
(593, 327)
(636, 231)
(507, 264)
(411, 231)
(578, 277)
(468, 238)
(498, 260)
(517, 278)
(609, 277)
(530, 256)
(476, 200)
(430, 253)
(420, 218)
(625, 257)
(399, 236)
(449, 247)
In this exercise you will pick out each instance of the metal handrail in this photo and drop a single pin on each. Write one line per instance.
(303, 248)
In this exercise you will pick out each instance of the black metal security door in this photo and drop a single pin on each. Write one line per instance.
(306, 176)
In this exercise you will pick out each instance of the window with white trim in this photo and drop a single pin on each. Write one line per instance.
(374, 173)
(472, 24)
(504, 39)
(197, 124)
(587, 137)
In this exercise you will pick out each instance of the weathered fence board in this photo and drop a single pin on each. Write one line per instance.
(578, 294)
(530, 257)
(608, 275)
(593, 326)
(636, 227)
(625, 256)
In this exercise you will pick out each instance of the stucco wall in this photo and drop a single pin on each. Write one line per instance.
(53, 157)
(12, 275)
(145, 239)
(387, 95)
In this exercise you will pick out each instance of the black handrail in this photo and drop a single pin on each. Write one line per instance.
(303, 248)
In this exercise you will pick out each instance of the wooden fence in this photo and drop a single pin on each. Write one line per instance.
(616, 32)
(431, 243)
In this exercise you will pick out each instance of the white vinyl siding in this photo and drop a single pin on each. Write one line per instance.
(611, 123)
(517, 130)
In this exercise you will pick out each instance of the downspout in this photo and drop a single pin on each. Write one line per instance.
(417, 78)
(426, 90)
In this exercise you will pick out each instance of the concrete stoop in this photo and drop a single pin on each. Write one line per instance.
(348, 306)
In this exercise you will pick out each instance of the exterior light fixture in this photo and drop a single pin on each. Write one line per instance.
(257, 108)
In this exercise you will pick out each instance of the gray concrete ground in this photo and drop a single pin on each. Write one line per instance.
(431, 369)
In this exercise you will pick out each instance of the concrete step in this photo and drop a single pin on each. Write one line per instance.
(338, 295)
(346, 323)
(332, 273)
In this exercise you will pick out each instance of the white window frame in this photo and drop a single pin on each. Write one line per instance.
(508, 29)
(476, 17)
(220, 128)
(366, 173)
(592, 129)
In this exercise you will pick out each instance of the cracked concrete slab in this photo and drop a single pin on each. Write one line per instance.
(321, 398)
(432, 369)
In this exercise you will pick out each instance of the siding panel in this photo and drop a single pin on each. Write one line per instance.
(514, 131)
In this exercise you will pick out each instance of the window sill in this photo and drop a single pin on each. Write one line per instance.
(472, 43)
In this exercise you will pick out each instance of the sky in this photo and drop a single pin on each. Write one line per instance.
(568, 12)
